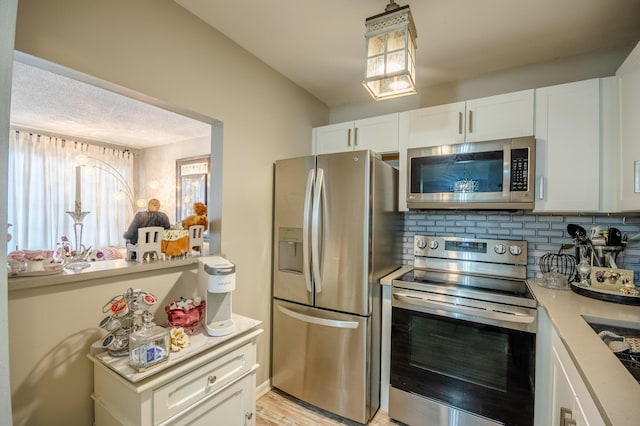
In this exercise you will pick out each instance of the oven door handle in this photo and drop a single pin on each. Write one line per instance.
(419, 300)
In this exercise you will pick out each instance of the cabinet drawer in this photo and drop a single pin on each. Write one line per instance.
(172, 398)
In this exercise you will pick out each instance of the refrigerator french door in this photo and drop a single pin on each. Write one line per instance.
(333, 240)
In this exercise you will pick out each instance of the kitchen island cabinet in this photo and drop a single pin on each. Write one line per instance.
(628, 78)
(211, 381)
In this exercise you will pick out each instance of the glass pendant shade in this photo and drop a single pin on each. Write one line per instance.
(390, 49)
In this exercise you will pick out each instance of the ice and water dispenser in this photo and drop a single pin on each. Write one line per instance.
(290, 250)
(216, 281)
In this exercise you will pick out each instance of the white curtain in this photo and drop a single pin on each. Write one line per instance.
(42, 188)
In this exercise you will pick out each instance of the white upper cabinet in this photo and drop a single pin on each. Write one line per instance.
(380, 134)
(438, 125)
(628, 78)
(499, 117)
(568, 147)
(494, 117)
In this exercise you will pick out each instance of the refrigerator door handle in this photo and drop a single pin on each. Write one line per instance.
(319, 321)
(306, 224)
(315, 229)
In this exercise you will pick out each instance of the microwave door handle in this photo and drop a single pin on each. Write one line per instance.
(469, 310)
(316, 320)
(306, 225)
(315, 229)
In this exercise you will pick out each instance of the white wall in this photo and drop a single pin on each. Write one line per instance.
(7, 27)
(156, 48)
(159, 164)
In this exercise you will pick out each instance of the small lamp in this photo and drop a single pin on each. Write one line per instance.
(390, 49)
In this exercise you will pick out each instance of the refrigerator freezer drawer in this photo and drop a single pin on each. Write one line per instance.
(324, 358)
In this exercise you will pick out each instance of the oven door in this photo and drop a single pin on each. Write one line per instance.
(447, 370)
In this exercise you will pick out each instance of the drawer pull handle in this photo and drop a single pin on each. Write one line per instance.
(211, 379)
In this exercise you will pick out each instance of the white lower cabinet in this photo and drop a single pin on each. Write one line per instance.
(213, 387)
(572, 404)
(562, 398)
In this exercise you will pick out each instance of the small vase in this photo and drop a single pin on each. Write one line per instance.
(584, 268)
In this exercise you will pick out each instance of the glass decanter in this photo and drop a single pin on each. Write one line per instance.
(148, 344)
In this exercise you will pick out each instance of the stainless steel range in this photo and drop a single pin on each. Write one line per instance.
(463, 335)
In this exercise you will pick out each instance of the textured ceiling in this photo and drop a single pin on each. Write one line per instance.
(45, 101)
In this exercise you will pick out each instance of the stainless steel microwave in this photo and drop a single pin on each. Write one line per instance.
(495, 174)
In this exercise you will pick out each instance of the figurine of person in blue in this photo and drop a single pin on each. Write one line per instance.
(152, 217)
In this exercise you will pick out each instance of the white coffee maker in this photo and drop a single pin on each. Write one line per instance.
(216, 281)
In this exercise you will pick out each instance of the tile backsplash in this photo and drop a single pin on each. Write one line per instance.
(544, 233)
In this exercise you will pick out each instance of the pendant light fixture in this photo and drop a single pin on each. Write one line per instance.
(391, 49)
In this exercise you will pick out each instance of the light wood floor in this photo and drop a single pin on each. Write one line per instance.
(276, 408)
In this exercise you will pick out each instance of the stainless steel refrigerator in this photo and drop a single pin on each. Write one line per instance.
(335, 235)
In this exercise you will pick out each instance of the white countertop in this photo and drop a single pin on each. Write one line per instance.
(199, 342)
(613, 388)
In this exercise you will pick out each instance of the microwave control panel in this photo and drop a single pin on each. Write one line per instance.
(519, 170)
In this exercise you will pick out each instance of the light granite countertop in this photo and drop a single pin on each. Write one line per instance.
(613, 389)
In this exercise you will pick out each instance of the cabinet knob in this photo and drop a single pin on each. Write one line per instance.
(249, 416)
(211, 379)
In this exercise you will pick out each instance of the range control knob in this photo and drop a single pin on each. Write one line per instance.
(433, 244)
(515, 250)
(422, 244)
(500, 249)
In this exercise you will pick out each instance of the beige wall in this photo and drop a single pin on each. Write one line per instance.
(565, 70)
(51, 330)
(156, 48)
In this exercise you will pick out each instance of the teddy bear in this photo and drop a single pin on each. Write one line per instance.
(198, 218)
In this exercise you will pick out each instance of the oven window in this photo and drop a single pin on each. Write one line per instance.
(485, 370)
(474, 355)
(458, 173)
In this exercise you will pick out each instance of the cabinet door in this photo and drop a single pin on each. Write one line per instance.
(235, 405)
(628, 76)
(379, 134)
(500, 117)
(568, 147)
(570, 396)
(438, 125)
(333, 138)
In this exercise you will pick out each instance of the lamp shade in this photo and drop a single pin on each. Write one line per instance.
(390, 51)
